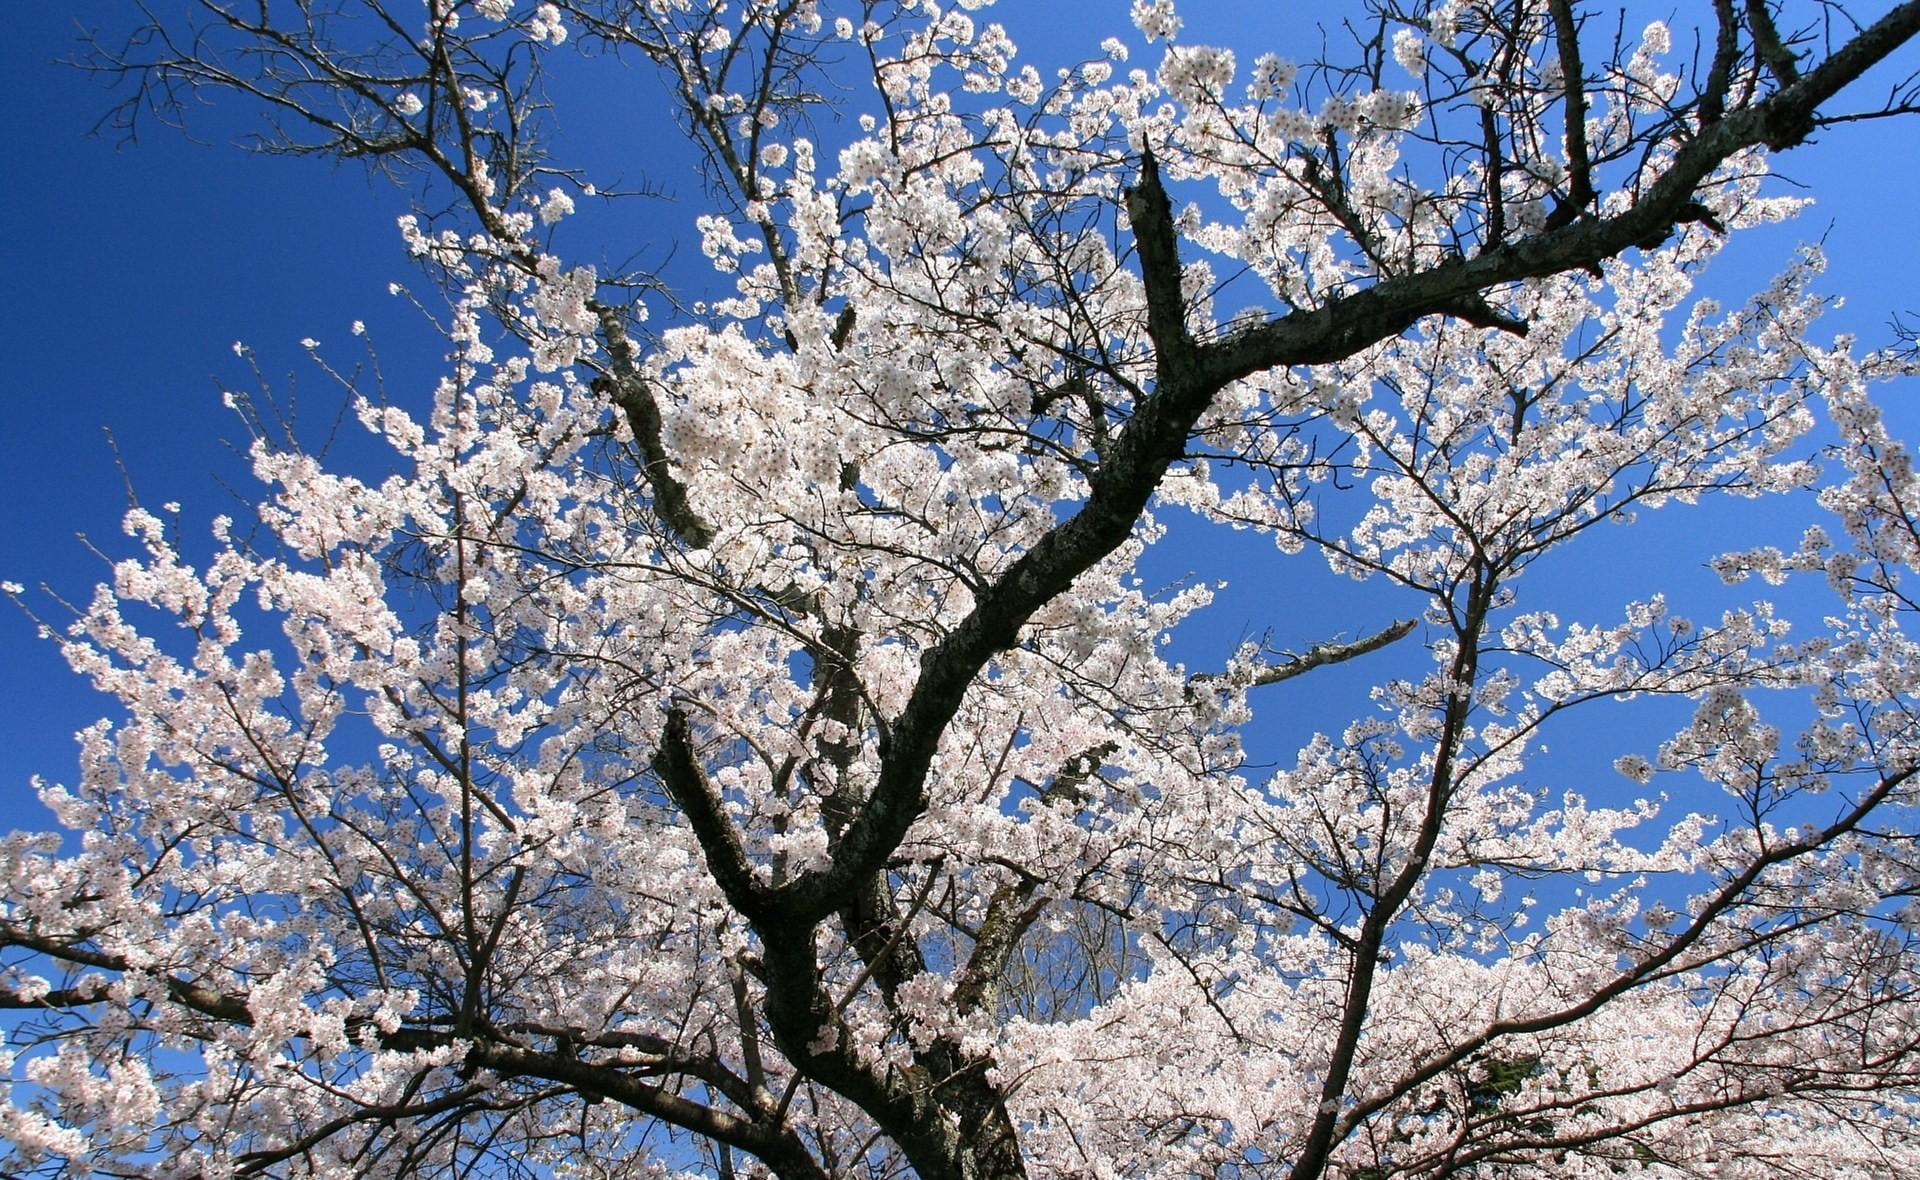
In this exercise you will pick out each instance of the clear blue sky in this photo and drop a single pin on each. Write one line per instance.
(132, 268)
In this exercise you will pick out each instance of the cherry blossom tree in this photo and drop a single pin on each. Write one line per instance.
(746, 740)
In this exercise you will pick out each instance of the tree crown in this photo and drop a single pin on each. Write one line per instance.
(745, 736)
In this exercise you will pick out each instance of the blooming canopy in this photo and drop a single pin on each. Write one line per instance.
(747, 738)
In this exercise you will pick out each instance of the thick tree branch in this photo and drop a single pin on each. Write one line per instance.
(1573, 76)
(778, 1146)
(634, 397)
(1726, 55)
(186, 993)
(680, 770)
(1768, 46)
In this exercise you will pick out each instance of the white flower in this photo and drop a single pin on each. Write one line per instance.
(546, 25)
(1156, 19)
(557, 205)
(1635, 767)
(1272, 75)
(1410, 52)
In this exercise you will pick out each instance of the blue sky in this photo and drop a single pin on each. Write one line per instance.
(133, 268)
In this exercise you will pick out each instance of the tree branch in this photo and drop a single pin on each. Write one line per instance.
(678, 765)
(634, 397)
